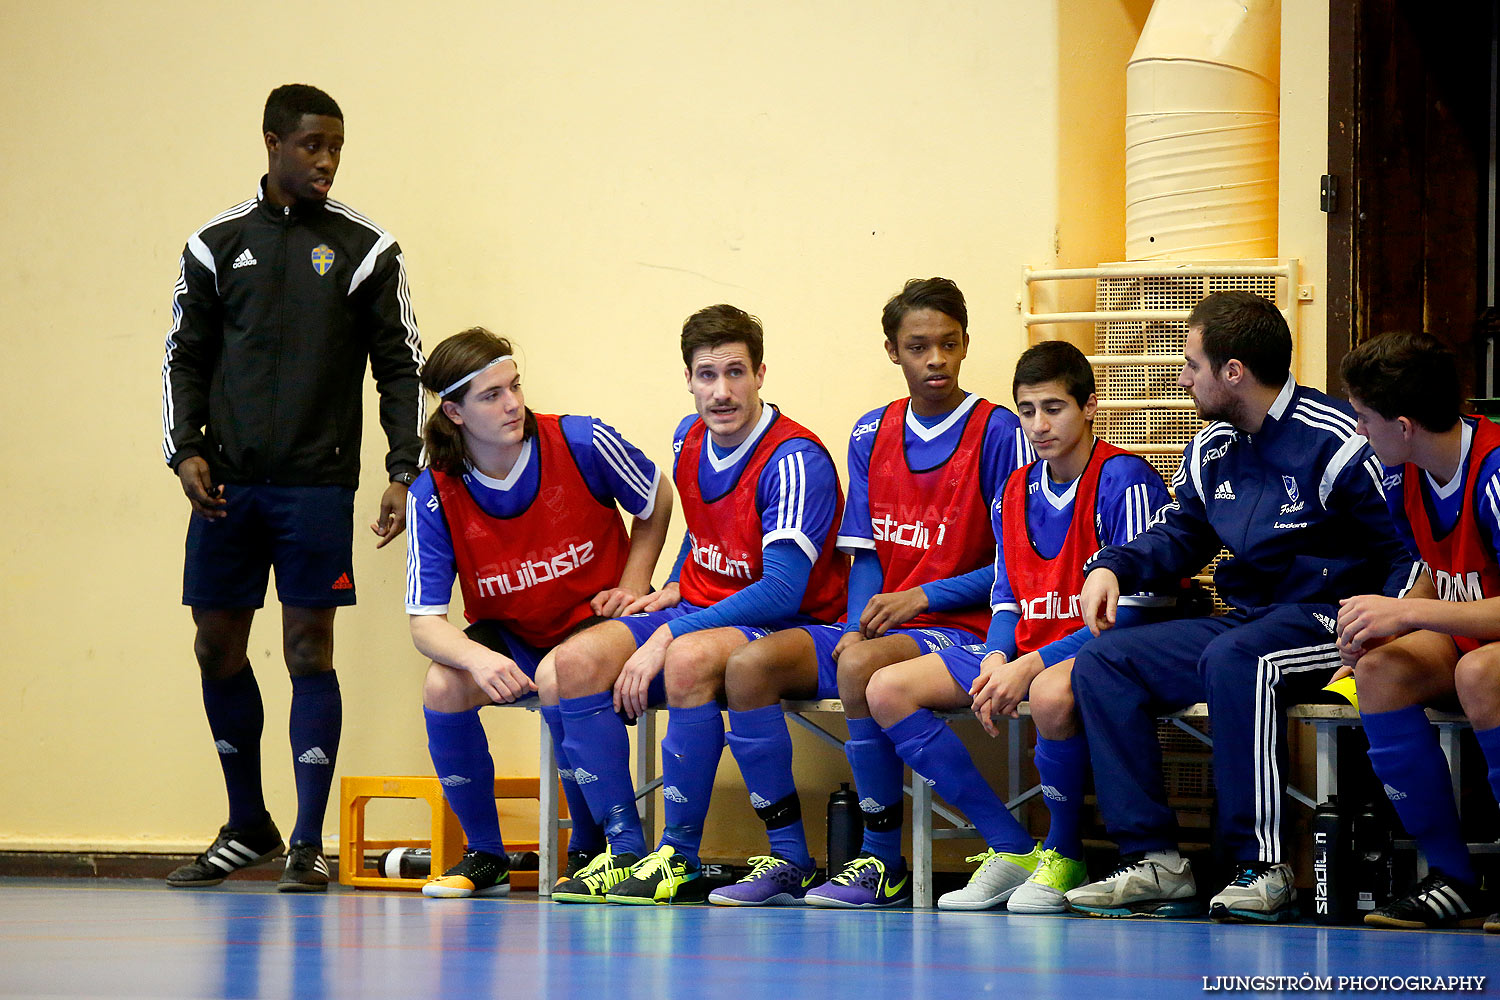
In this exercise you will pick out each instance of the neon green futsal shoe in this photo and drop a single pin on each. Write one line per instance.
(663, 876)
(594, 879)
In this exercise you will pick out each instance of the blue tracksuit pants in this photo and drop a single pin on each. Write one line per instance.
(1248, 666)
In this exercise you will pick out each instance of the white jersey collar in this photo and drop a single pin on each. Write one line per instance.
(511, 478)
(1454, 484)
(767, 414)
(937, 430)
(1059, 501)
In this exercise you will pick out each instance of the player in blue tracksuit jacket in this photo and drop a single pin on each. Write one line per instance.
(1280, 479)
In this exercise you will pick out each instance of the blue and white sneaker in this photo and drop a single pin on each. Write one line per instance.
(772, 881)
(864, 883)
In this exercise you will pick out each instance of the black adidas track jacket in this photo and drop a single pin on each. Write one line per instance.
(273, 317)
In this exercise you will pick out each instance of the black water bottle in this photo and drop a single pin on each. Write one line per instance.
(1374, 862)
(846, 828)
(1333, 892)
(405, 862)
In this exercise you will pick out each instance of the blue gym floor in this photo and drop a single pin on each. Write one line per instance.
(128, 938)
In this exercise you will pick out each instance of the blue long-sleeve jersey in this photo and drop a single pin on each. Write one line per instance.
(1298, 505)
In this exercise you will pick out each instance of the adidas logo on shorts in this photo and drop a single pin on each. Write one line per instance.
(583, 777)
(314, 755)
(1053, 794)
(1394, 794)
(672, 794)
(224, 746)
(453, 781)
(1328, 623)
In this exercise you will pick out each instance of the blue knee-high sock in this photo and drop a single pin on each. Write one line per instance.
(461, 757)
(936, 753)
(1062, 766)
(317, 720)
(877, 778)
(235, 718)
(689, 760)
(1405, 754)
(763, 749)
(586, 835)
(598, 747)
(1489, 742)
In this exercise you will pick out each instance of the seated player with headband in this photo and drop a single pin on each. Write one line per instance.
(521, 508)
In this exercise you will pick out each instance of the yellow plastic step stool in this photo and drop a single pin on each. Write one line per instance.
(447, 841)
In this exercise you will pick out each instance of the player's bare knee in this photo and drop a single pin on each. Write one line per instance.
(887, 699)
(748, 680)
(444, 688)
(582, 668)
(855, 670)
(692, 676)
(1476, 679)
(546, 681)
(1383, 678)
(1052, 707)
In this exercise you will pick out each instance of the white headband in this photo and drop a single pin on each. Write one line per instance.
(482, 368)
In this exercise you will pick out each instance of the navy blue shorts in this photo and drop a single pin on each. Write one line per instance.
(306, 532)
(825, 637)
(493, 635)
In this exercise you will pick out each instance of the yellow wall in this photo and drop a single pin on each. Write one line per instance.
(577, 175)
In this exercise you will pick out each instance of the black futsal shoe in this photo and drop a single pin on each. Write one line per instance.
(230, 851)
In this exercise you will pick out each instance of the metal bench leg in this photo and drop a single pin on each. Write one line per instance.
(1013, 765)
(921, 841)
(1448, 740)
(546, 850)
(645, 771)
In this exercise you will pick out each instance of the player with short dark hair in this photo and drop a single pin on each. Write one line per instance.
(1046, 519)
(921, 472)
(1281, 479)
(1443, 487)
(281, 302)
(761, 497)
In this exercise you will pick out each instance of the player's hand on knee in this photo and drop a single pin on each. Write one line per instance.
(667, 597)
(884, 612)
(984, 690)
(198, 486)
(845, 641)
(1370, 617)
(1015, 680)
(1099, 598)
(633, 687)
(503, 681)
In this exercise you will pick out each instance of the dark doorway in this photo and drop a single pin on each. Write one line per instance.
(1411, 236)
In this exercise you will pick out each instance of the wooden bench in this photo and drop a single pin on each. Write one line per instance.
(1326, 720)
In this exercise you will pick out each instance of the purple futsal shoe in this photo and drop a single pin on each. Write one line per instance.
(772, 881)
(865, 882)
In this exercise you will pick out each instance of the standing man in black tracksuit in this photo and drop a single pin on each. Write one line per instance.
(279, 302)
